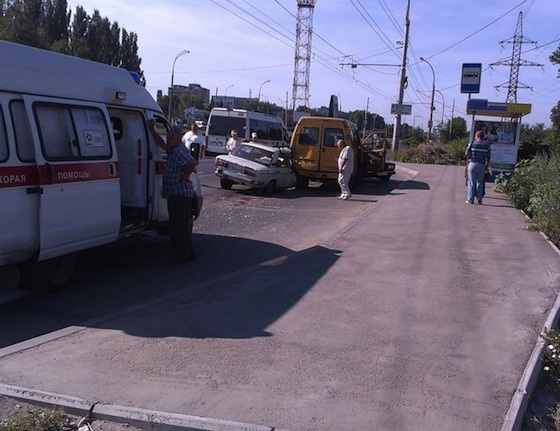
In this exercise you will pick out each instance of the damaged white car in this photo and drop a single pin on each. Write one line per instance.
(257, 166)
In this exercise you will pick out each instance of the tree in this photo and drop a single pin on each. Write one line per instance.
(555, 112)
(373, 121)
(555, 117)
(46, 24)
(458, 128)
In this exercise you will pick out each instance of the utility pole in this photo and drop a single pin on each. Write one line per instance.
(451, 121)
(402, 84)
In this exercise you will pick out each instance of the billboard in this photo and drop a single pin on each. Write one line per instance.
(503, 137)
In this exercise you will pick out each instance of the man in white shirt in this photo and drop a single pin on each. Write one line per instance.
(193, 137)
(232, 142)
(345, 168)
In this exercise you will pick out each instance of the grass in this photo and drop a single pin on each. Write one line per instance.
(543, 413)
(38, 419)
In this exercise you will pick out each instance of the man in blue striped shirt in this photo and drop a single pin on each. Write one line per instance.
(178, 190)
(478, 155)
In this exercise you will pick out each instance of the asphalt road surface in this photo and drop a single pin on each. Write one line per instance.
(400, 309)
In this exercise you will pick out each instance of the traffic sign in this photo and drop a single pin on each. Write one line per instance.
(402, 109)
(470, 78)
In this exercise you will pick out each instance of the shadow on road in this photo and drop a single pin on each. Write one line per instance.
(124, 275)
(241, 306)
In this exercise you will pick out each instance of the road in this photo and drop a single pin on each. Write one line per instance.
(400, 309)
(238, 229)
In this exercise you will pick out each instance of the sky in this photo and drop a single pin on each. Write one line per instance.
(245, 47)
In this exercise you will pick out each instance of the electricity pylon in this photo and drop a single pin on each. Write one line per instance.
(302, 62)
(515, 62)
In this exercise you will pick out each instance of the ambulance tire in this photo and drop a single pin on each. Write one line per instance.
(48, 276)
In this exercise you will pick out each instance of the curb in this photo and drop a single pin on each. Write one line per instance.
(406, 170)
(522, 396)
(147, 419)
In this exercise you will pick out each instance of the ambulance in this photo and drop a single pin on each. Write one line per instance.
(78, 165)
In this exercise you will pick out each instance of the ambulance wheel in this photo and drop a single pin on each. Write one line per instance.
(225, 184)
(51, 275)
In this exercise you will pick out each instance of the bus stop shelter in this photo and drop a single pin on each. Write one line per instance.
(501, 123)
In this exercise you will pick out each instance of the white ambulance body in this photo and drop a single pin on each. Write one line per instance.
(78, 166)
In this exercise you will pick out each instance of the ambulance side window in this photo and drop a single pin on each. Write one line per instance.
(92, 132)
(71, 133)
(3, 139)
(22, 131)
(56, 132)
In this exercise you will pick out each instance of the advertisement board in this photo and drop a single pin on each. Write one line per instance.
(503, 137)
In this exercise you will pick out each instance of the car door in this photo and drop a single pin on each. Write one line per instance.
(331, 133)
(19, 235)
(78, 181)
(306, 146)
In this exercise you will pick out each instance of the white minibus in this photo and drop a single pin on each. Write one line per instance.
(269, 128)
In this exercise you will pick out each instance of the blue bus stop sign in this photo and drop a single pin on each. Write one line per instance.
(470, 77)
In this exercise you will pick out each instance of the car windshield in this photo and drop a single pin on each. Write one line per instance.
(254, 154)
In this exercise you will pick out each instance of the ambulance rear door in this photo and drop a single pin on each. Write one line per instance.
(76, 158)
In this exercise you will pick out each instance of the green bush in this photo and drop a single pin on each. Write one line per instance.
(535, 188)
(544, 203)
(521, 184)
(456, 150)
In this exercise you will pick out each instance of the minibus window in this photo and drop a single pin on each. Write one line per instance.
(331, 136)
(308, 136)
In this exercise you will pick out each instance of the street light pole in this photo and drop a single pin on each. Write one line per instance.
(225, 95)
(259, 97)
(442, 107)
(430, 122)
(183, 52)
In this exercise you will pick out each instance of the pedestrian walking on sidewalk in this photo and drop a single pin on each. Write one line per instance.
(345, 168)
(478, 156)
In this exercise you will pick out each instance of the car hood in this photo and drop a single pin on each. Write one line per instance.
(242, 162)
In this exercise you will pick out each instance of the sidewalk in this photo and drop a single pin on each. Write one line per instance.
(422, 314)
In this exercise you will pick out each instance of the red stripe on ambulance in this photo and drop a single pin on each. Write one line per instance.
(18, 176)
(77, 172)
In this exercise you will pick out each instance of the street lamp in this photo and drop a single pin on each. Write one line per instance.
(225, 95)
(183, 52)
(430, 122)
(442, 108)
(259, 97)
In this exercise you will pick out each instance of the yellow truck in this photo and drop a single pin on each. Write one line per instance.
(315, 154)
